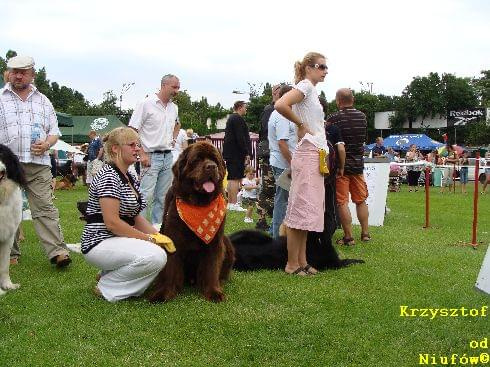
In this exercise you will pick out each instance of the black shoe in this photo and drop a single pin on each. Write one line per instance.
(61, 261)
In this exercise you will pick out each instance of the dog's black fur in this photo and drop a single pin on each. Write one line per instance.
(82, 208)
(15, 172)
(255, 250)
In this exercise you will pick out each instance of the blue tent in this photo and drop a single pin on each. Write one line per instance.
(403, 142)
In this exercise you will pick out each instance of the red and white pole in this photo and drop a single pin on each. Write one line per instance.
(427, 190)
(475, 200)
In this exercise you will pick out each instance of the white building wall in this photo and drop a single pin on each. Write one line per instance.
(221, 123)
(428, 123)
(382, 121)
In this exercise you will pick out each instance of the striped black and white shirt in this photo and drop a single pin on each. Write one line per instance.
(110, 182)
(353, 125)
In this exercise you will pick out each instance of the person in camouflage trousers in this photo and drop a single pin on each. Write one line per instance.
(265, 203)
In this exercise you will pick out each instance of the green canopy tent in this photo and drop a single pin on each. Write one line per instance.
(78, 134)
(64, 119)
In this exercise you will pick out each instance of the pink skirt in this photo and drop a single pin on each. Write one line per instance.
(306, 202)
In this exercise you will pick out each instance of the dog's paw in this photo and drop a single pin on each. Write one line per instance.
(215, 296)
(8, 285)
(162, 296)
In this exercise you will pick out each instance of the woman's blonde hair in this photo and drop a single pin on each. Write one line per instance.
(117, 137)
(300, 66)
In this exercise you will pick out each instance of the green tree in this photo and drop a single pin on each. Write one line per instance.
(368, 104)
(458, 93)
(3, 62)
(478, 134)
(482, 87)
(107, 107)
(194, 114)
(42, 83)
(433, 95)
(258, 101)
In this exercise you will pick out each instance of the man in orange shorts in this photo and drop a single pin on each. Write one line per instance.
(352, 124)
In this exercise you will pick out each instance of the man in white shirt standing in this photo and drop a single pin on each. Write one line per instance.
(29, 127)
(157, 122)
(282, 135)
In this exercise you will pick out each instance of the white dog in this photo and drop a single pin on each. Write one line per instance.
(11, 180)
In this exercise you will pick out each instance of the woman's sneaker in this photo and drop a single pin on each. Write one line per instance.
(248, 220)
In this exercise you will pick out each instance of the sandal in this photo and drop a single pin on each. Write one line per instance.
(365, 237)
(346, 241)
(61, 261)
(298, 272)
(310, 270)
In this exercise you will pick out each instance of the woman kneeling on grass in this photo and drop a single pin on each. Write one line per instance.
(307, 193)
(117, 239)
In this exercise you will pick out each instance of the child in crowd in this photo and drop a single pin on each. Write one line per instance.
(450, 163)
(250, 185)
(463, 171)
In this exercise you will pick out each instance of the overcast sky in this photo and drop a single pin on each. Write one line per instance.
(216, 47)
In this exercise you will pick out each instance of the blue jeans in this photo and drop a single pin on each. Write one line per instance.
(463, 175)
(155, 182)
(280, 204)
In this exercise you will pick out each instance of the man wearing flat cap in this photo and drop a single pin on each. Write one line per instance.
(29, 127)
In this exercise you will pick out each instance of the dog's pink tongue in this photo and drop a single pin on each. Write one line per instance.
(208, 186)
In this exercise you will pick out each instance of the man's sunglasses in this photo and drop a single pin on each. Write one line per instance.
(320, 66)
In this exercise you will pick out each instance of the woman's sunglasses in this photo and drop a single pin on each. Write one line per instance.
(320, 66)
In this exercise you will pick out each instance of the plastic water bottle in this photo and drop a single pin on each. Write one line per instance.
(35, 132)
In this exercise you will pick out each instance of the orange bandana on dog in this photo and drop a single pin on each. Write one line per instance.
(204, 221)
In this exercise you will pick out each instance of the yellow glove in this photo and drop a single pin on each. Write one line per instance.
(163, 241)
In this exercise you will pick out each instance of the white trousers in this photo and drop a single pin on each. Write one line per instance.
(128, 266)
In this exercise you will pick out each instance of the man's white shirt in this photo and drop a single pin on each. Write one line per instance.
(155, 123)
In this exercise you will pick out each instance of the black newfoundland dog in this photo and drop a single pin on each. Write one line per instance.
(255, 250)
(194, 218)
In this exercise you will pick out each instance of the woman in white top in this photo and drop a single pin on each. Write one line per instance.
(307, 193)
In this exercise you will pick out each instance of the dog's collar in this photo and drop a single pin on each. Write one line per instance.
(204, 221)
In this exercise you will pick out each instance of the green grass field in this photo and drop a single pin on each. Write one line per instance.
(348, 317)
